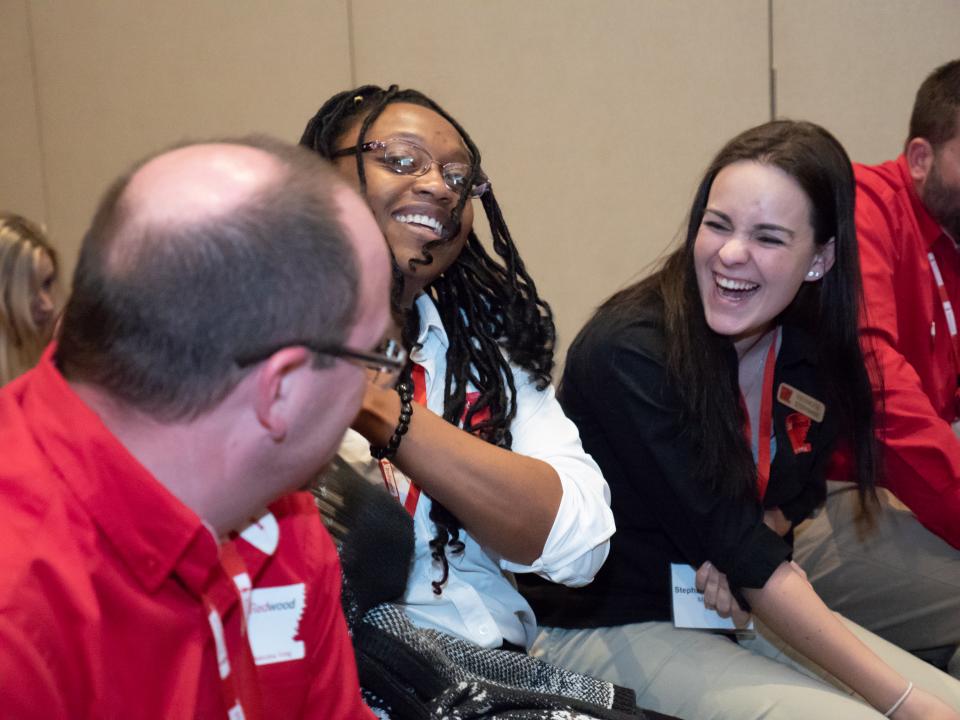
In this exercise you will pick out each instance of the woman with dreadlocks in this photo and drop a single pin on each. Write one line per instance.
(472, 442)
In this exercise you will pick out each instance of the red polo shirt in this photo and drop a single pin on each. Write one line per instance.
(906, 323)
(106, 576)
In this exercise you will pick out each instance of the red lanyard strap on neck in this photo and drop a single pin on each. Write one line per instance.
(947, 306)
(765, 426)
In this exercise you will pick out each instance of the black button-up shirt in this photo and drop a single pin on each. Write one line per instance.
(616, 389)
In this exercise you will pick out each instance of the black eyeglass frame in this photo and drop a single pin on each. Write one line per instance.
(381, 362)
(478, 189)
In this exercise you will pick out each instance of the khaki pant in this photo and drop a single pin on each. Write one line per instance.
(697, 675)
(901, 581)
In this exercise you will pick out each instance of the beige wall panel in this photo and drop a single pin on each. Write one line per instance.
(120, 79)
(595, 119)
(21, 164)
(854, 66)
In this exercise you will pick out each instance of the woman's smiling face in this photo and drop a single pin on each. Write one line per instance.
(754, 249)
(413, 211)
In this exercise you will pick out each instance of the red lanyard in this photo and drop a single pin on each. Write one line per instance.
(419, 378)
(238, 674)
(765, 427)
(947, 306)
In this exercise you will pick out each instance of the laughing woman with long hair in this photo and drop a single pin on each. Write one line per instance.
(712, 395)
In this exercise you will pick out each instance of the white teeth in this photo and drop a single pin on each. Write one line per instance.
(728, 284)
(424, 220)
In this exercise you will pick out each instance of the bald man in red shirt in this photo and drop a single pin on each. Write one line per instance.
(157, 561)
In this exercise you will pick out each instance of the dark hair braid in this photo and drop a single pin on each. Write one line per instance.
(489, 307)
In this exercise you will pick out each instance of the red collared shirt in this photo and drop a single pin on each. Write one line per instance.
(906, 324)
(104, 573)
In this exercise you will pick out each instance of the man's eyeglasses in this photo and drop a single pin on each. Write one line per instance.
(406, 158)
(388, 358)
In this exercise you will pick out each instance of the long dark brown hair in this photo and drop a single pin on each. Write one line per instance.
(827, 309)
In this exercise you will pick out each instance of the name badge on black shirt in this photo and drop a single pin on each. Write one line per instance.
(801, 402)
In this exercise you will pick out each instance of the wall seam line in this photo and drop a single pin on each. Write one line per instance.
(38, 118)
(351, 45)
(772, 71)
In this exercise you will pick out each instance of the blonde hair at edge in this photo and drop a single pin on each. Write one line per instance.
(23, 244)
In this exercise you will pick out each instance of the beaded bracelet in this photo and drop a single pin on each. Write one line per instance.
(387, 452)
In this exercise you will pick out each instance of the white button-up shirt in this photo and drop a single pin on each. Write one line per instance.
(479, 601)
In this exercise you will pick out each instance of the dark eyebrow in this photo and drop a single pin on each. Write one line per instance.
(722, 216)
(462, 155)
(775, 228)
(412, 137)
(759, 226)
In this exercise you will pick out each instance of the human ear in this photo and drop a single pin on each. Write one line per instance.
(919, 155)
(822, 261)
(273, 387)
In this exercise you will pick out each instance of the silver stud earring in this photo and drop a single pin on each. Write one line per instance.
(813, 274)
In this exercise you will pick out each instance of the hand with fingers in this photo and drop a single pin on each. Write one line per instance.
(777, 521)
(717, 595)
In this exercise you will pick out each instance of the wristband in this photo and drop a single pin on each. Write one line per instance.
(898, 703)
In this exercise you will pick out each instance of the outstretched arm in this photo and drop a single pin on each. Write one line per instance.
(791, 608)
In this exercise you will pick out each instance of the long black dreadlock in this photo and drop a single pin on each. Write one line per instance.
(487, 307)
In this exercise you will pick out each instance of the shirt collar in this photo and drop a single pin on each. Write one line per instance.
(797, 345)
(430, 322)
(146, 525)
(930, 229)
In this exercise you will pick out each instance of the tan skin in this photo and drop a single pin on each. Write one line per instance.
(750, 196)
(936, 177)
(481, 484)
(42, 307)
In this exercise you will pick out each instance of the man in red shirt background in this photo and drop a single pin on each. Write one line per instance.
(902, 580)
(156, 557)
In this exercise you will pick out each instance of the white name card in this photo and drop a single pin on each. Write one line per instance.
(688, 608)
